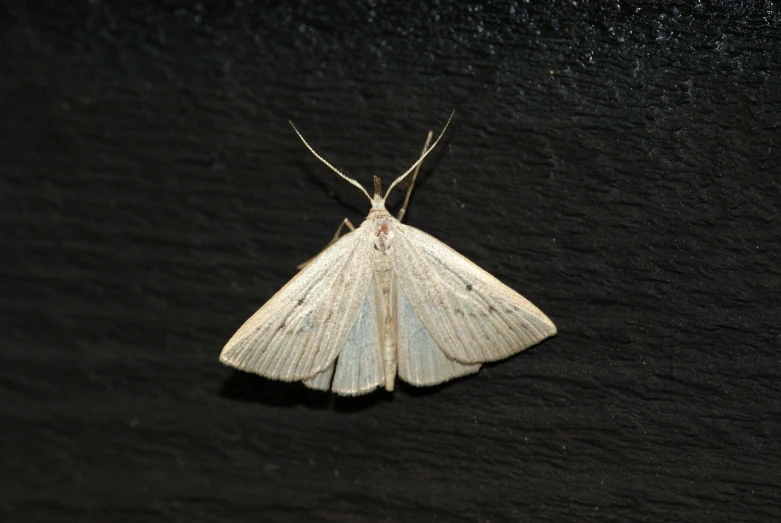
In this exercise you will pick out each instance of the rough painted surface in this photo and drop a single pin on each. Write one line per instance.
(616, 164)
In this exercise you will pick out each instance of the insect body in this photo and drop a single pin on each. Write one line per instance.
(382, 300)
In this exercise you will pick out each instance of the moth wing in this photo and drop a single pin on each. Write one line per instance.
(358, 367)
(421, 361)
(298, 333)
(472, 316)
(323, 380)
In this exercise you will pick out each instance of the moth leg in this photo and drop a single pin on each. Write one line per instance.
(346, 222)
(414, 177)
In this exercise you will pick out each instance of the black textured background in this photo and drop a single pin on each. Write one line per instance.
(616, 162)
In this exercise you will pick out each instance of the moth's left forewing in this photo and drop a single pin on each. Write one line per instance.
(358, 367)
(472, 316)
(299, 332)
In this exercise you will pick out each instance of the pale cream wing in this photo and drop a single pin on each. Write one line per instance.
(421, 361)
(359, 363)
(299, 332)
(321, 381)
(472, 316)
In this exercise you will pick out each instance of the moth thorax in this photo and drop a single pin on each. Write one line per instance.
(383, 234)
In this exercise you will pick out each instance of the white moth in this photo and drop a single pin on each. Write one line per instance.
(384, 299)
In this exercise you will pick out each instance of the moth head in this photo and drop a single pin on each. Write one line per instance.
(378, 201)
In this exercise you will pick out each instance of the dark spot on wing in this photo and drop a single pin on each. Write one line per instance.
(300, 302)
(459, 312)
(491, 309)
(281, 326)
(468, 286)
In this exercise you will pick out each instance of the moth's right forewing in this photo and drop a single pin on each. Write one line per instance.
(421, 361)
(298, 333)
(472, 316)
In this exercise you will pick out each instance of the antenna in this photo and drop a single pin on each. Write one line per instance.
(422, 156)
(334, 169)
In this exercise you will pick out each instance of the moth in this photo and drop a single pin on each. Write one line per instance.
(385, 299)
